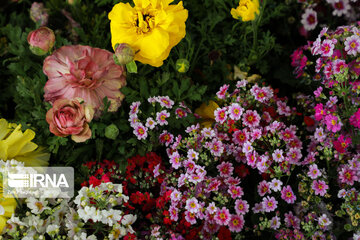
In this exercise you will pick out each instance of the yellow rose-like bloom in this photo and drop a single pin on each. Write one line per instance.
(206, 111)
(151, 28)
(246, 10)
(15, 144)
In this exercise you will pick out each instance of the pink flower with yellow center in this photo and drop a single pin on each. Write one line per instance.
(236, 223)
(319, 187)
(222, 217)
(85, 72)
(241, 206)
(287, 194)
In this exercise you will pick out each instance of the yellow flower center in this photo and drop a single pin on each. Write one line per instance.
(235, 222)
(144, 22)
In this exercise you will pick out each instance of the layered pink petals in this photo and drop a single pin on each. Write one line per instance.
(85, 72)
(70, 117)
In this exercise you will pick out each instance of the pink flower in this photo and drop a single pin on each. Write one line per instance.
(275, 223)
(278, 155)
(166, 138)
(140, 131)
(235, 192)
(352, 45)
(251, 118)
(347, 175)
(283, 109)
(324, 220)
(269, 204)
(241, 207)
(236, 223)
(180, 113)
(85, 72)
(355, 119)
(165, 102)
(213, 186)
(150, 123)
(175, 160)
(226, 169)
(327, 48)
(38, 13)
(313, 172)
(318, 91)
(175, 196)
(263, 188)
(319, 111)
(292, 221)
(309, 19)
(173, 213)
(341, 144)
(339, 66)
(222, 217)
(216, 147)
(319, 187)
(341, 7)
(319, 134)
(222, 92)
(261, 94)
(288, 195)
(235, 111)
(161, 117)
(220, 115)
(333, 123)
(190, 217)
(275, 185)
(192, 205)
(41, 40)
(240, 136)
(294, 155)
(70, 117)
(134, 108)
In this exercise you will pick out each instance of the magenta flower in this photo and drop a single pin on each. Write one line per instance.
(277, 155)
(140, 131)
(240, 136)
(161, 117)
(287, 194)
(222, 217)
(241, 207)
(175, 160)
(339, 66)
(318, 91)
(319, 187)
(313, 172)
(180, 113)
(235, 111)
(173, 213)
(192, 205)
(269, 204)
(352, 45)
(264, 188)
(275, 223)
(220, 115)
(165, 102)
(327, 48)
(251, 118)
(221, 94)
(347, 175)
(85, 72)
(236, 223)
(166, 138)
(342, 143)
(355, 119)
(292, 221)
(333, 123)
(175, 196)
(134, 108)
(235, 192)
(319, 111)
(190, 217)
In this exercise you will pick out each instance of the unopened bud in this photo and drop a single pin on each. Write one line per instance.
(182, 65)
(111, 131)
(124, 54)
(41, 40)
(38, 13)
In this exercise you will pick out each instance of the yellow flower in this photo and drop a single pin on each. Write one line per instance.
(15, 144)
(151, 28)
(206, 112)
(246, 10)
(7, 208)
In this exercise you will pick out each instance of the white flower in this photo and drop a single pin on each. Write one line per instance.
(52, 229)
(86, 213)
(37, 206)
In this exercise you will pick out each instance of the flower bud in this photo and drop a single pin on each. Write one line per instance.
(182, 65)
(111, 131)
(124, 54)
(39, 14)
(41, 40)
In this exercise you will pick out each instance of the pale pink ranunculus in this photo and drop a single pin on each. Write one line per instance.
(41, 40)
(84, 72)
(70, 117)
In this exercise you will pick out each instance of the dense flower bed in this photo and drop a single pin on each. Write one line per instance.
(182, 119)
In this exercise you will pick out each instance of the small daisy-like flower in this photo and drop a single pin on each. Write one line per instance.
(342, 193)
(247, 147)
(258, 207)
(140, 131)
(208, 133)
(319, 187)
(37, 206)
(236, 223)
(150, 123)
(318, 91)
(324, 220)
(352, 45)
(165, 102)
(166, 138)
(221, 94)
(283, 109)
(235, 192)
(269, 204)
(341, 7)
(175, 196)
(192, 205)
(189, 165)
(222, 216)
(134, 108)
(225, 169)
(134, 120)
(180, 113)
(333, 123)
(327, 48)
(347, 175)
(175, 160)
(339, 66)
(190, 217)
(220, 115)
(152, 100)
(278, 155)
(263, 188)
(294, 155)
(235, 111)
(251, 118)
(275, 223)
(291, 220)
(288, 195)
(319, 134)
(191, 154)
(313, 172)
(275, 185)
(240, 136)
(252, 159)
(216, 147)
(174, 213)
(161, 117)
(309, 19)
(241, 207)
(213, 186)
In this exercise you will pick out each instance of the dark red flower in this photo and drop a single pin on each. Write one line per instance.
(224, 234)
(309, 121)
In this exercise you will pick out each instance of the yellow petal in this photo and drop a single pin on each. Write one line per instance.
(153, 44)
(206, 111)
(3, 150)
(4, 130)
(35, 158)
(18, 141)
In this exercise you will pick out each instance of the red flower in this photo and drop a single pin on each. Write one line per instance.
(242, 171)
(224, 234)
(309, 121)
(137, 198)
(130, 236)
